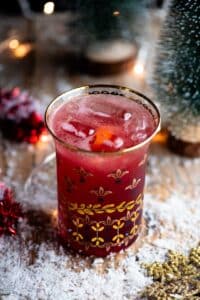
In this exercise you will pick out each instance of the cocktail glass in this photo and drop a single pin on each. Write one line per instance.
(100, 194)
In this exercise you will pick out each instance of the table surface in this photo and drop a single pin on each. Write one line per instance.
(168, 175)
(45, 75)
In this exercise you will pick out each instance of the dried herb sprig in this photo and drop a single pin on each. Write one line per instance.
(176, 278)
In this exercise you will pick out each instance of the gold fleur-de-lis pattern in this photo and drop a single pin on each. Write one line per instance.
(101, 193)
(118, 225)
(143, 161)
(117, 175)
(133, 184)
(134, 230)
(103, 222)
(76, 233)
(92, 209)
(97, 227)
(119, 236)
(83, 174)
(122, 230)
(70, 186)
(97, 240)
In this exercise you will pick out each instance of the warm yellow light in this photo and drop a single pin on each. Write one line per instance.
(13, 44)
(55, 213)
(44, 138)
(49, 8)
(116, 13)
(138, 69)
(54, 217)
(22, 50)
(161, 137)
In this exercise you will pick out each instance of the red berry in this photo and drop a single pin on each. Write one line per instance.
(18, 119)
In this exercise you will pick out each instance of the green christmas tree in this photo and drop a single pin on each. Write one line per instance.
(177, 72)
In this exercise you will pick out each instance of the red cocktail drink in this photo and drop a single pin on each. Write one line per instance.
(102, 135)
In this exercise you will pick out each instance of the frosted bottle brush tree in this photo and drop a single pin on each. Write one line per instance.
(177, 76)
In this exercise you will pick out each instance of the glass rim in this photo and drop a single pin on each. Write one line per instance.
(120, 88)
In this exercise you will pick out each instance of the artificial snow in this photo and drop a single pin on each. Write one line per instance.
(34, 266)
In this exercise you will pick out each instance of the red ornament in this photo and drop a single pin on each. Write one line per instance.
(10, 211)
(19, 121)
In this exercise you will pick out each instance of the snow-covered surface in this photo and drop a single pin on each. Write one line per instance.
(34, 266)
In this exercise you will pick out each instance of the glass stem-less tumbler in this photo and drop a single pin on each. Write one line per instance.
(100, 193)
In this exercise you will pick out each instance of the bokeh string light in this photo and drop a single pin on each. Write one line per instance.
(13, 44)
(141, 61)
(49, 8)
(22, 50)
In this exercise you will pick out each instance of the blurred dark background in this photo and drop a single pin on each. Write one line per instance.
(15, 7)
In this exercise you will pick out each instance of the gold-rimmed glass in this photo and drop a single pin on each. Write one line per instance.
(100, 194)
